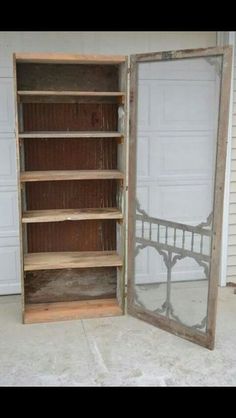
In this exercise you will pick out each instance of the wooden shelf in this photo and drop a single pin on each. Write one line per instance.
(57, 215)
(70, 134)
(59, 58)
(64, 260)
(52, 175)
(70, 93)
(84, 108)
(61, 311)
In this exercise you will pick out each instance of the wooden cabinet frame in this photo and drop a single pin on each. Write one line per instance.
(91, 308)
(86, 83)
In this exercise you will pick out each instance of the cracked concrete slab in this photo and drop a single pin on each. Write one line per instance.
(119, 351)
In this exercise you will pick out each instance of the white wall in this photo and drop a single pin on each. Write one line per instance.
(97, 43)
(70, 42)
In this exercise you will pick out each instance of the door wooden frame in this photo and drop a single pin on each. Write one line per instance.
(227, 38)
(205, 339)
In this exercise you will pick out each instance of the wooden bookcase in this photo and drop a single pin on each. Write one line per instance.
(71, 149)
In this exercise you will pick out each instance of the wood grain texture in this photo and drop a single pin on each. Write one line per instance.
(61, 260)
(61, 311)
(223, 119)
(68, 58)
(58, 215)
(64, 77)
(82, 99)
(132, 184)
(122, 150)
(75, 134)
(45, 286)
(69, 93)
(180, 54)
(54, 175)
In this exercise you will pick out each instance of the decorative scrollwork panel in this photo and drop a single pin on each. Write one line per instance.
(171, 253)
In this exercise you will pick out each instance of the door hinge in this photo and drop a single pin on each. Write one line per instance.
(128, 70)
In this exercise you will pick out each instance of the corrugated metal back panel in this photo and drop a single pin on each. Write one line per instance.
(81, 154)
(71, 194)
(95, 235)
(71, 154)
(70, 116)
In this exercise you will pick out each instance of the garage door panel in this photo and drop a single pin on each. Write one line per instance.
(7, 162)
(10, 266)
(182, 106)
(161, 71)
(8, 212)
(7, 111)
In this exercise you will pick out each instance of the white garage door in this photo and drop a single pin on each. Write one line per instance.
(9, 235)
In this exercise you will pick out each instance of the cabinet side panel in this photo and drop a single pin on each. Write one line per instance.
(121, 163)
(19, 183)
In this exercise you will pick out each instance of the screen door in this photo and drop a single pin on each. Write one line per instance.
(179, 103)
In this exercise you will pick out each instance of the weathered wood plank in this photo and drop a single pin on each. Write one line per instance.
(61, 260)
(180, 54)
(71, 134)
(46, 286)
(19, 168)
(72, 99)
(70, 175)
(69, 58)
(69, 93)
(64, 77)
(61, 311)
(57, 215)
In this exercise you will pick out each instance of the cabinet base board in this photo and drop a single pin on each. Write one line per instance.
(62, 311)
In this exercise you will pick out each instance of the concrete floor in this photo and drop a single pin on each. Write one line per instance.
(120, 351)
(188, 299)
